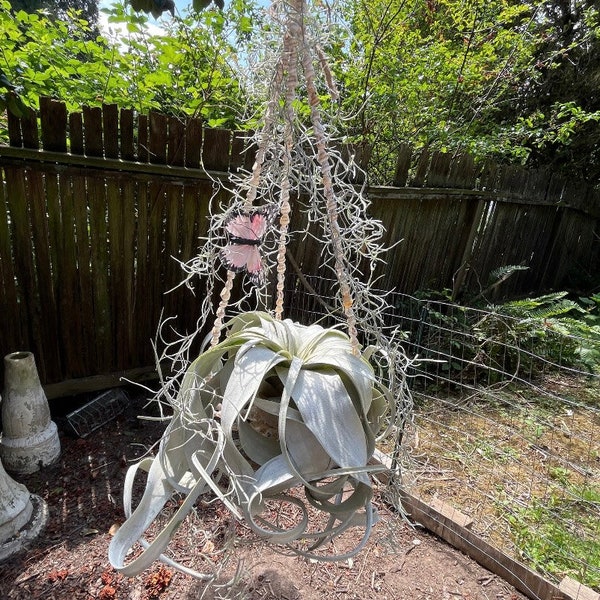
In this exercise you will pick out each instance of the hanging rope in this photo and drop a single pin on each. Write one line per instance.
(295, 52)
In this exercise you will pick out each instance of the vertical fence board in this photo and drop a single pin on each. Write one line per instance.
(47, 226)
(439, 170)
(488, 180)
(100, 271)
(576, 196)
(145, 285)
(88, 351)
(157, 259)
(53, 117)
(176, 142)
(110, 127)
(536, 187)
(76, 133)
(68, 289)
(468, 239)
(92, 124)
(44, 200)
(193, 143)
(403, 163)
(14, 130)
(215, 149)
(463, 172)
(126, 135)
(158, 138)
(456, 229)
(421, 168)
(172, 253)
(512, 179)
(29, 128)
(116, 243)
(578, 233)
(191, 215)
(128, 222)
(142, 145)
(10, 306)
(538, 231)
(24, 262)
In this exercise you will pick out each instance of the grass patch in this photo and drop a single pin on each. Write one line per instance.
(560, 536)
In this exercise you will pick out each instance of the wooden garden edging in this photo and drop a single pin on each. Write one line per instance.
(98, 207)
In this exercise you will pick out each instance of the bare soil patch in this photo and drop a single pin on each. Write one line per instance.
(83, 494)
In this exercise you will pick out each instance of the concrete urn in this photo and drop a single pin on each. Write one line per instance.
(22, 515)
(29, 439)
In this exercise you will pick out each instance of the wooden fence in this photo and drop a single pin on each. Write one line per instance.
(96, 206)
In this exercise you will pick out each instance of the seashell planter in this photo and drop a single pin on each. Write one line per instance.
(22, 515)
(29, 438)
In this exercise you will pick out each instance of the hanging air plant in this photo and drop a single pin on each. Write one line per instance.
(275, 406)
(276, 411)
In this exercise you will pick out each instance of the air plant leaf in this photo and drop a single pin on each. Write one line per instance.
(329, 413)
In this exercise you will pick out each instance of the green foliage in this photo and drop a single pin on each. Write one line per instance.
(61, 10)
(571, 330)
(563, 523)
(514, 81)
(155, 7)
(9, 98)
(520, 338)
(425, 71)
(186, 70)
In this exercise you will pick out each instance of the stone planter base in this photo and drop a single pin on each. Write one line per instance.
(29, 438)
(27, 455)
(38, 516)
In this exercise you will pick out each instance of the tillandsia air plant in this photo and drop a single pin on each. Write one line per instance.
(276, 405)
(274, 411)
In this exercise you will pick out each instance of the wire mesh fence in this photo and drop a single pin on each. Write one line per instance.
(506, 426)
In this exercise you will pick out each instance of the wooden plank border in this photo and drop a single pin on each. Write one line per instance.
(95, 383)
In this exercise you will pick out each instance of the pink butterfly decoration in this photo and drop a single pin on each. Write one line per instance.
(245, 232)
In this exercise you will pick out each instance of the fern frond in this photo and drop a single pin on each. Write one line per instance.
(555, 309)
(504, 272)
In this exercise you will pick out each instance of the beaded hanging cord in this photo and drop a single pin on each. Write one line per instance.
(296, 52)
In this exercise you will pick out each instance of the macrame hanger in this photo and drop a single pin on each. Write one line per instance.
(295, 52)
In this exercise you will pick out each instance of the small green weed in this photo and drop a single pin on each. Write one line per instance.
(561, 536)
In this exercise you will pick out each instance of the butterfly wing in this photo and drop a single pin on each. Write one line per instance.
(243, 257)
(250, 227)
(258, 224)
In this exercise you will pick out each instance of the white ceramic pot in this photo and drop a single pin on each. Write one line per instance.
(29, 437)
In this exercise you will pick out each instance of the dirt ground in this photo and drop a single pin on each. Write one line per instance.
(68, 561)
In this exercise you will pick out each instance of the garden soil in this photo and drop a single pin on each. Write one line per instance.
(68, 561)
